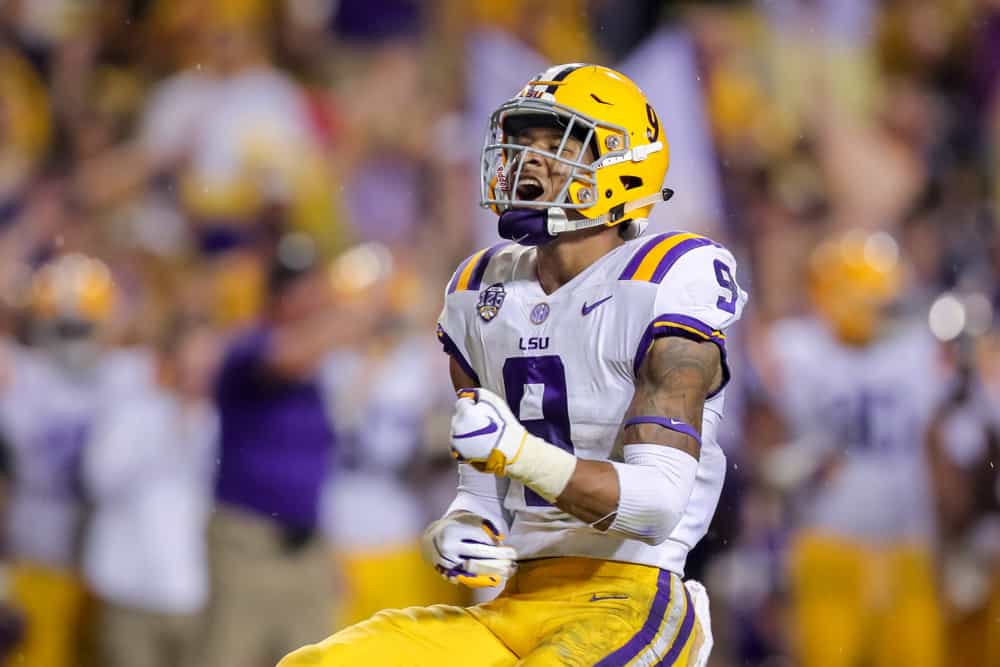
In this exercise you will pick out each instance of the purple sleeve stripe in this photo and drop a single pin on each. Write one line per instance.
(647, 633)
(675, 425)
(477, 274)
(450, 348)
(682, 326)
(691, 324)
(683, 635)
(458, 274)
(675, 254)
(636, 261)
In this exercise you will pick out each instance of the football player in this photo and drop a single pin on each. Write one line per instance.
(856, 385)
(590, 364)
(373, 512)
(51, 394)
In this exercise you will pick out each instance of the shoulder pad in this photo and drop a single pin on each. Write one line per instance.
(489, 265)
(654, 258)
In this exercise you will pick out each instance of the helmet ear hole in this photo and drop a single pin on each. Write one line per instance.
(630, 182)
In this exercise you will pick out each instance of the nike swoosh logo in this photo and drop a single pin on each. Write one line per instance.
(586, 309)
(486, 430)
(597, 598)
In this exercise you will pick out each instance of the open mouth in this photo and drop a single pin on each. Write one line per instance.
(529, 190)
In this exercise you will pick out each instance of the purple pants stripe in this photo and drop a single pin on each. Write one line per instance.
(682, 635)
(646, 634)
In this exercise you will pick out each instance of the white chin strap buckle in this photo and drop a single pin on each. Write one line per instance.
(557, 221)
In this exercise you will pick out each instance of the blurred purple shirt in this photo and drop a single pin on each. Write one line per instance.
(276, 437)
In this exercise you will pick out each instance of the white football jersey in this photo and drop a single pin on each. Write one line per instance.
(379, 407)
(45, 417)
(871, 406)
(567, 364)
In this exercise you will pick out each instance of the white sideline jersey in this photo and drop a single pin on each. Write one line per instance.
(45, 417)
(567, 363)
(379, 406)
(870, 406)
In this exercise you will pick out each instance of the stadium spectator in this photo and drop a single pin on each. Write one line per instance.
(382, 394)
(963, 442)
(53, 391)
(270, 570)
(148, 468)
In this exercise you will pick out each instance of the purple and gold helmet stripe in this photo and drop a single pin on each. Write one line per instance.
(562, 74)
(656, 257)
(553, 77)
(684, 326)
(469, 275)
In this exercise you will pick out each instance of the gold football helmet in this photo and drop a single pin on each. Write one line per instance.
(854, 279)
(73, 287)
(608, 113)
(70, 301)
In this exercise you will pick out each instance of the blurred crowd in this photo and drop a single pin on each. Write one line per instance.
(225, 230)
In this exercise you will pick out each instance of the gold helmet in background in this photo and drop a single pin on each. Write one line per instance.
(72, 288)
(853, 280)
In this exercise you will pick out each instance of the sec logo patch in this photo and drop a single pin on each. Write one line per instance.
(539, 313)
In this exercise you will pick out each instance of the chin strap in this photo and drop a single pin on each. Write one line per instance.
(559, 223)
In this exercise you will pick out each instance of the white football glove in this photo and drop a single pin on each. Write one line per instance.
(484, 432)
(467, 549)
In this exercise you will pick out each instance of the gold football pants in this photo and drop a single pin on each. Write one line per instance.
(392, 579)
(52, 601)
(554, 611)
(860, 605)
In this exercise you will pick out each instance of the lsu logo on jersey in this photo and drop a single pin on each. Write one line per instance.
(490, 301)
(533, 343)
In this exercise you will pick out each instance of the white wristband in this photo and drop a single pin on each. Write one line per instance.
(542, 466)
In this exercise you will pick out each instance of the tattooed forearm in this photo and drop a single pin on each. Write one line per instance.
(674, 380)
